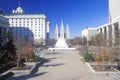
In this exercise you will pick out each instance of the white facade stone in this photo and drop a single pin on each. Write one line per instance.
(56, 32)
(89, 33)
(67, 32)
(114, 9)
(35, 27)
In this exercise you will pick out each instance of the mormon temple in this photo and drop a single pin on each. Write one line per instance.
(62, 33)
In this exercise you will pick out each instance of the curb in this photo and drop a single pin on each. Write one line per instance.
(99, 72)
(6, 74)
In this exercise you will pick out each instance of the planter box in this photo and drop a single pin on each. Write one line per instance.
(98, 72)
(23, 72)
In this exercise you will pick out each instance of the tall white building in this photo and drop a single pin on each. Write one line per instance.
(4, 28)
(114, 9)
(35, 27)
(111, 30)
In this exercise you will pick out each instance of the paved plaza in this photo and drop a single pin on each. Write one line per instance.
(62, 65)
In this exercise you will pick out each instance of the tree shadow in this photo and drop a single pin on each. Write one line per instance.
(49, 60)
(53, 65)
(36, 69)
(53, 58)
(26, 77)
(53, 53)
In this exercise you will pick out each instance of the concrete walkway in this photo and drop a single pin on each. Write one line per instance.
(63, 65)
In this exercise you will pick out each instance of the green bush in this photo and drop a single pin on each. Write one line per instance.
(36, 59)
(116, 60)
(88, 57)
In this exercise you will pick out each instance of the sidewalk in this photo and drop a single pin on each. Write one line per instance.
(62, 65)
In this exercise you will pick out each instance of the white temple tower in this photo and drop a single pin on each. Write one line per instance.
(67, 33)
(62, 33)
(61, 41)
(56, 32)
(62, 30)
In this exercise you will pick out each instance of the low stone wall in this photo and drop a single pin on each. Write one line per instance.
(6, 74)
(30, 71)
(99, 72)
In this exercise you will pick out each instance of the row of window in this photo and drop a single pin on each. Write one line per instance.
(28, 35)
(23, 22)
(24, 29)
(29, 20)
(40, 32)
(26, 25)
(18, 22)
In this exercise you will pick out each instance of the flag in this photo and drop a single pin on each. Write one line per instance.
(110, 18)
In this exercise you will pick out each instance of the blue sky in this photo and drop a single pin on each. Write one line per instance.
(77, 13)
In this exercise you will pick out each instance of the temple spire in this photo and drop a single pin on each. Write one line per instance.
(56, 32)
(62, 23)
(67, 32)
(62, 30)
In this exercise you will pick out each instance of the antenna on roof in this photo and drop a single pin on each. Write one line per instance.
(19, 3)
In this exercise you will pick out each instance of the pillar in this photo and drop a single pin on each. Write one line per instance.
(107, 34)
(113, 34)
(119, 25)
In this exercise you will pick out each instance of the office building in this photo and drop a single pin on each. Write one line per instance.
(34, 27)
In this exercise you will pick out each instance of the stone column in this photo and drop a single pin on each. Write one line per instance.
(119, 25)
(103, 33)
(113, 34)
(99, 30)
(107, 34)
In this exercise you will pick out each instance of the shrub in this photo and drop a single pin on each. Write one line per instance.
(88, 57)
(36, 58)
(116, 60)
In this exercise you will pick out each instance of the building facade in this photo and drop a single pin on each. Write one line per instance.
(34, 27)
(114, 9)
(111, 30)
(89, 33)
(4, 28)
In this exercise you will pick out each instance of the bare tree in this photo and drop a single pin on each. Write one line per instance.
(102, 50)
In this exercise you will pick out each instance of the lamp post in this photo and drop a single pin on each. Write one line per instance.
(18, 58)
